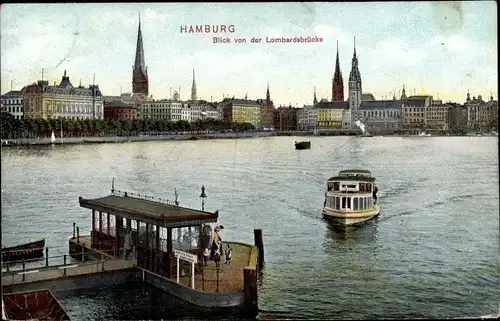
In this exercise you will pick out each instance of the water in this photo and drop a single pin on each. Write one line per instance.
(433, 252)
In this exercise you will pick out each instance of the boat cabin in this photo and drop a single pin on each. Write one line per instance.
(350, 190)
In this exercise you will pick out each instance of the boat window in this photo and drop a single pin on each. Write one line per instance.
(336, 186)
(361, 187)
(343, 202)
(368, 187)
(351, 186)
(348, 203)
(337, 203)
(355, 204)
(330, 186)
(361, 204)
(333, 201)
(365, 202)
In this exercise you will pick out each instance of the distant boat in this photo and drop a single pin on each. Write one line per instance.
(193, 138)
(303, 145)
(53, 138)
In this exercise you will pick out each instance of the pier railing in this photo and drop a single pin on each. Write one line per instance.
(144, 197)
(56, 262)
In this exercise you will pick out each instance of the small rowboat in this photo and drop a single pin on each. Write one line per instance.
(303, 145)
(23, 251)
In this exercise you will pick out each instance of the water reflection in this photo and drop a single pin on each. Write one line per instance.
(365, 232)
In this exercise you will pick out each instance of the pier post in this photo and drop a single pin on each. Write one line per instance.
(74, 229)
(92, 236)
(64, 270)
(24, 268)
(192, 275)
(83, 252)
(100, 230)
(46, 257)
(77, 235)
(218, 279)
(259, 243)
(250, 291)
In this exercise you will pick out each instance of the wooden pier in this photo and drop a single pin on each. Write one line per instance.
(161, 241)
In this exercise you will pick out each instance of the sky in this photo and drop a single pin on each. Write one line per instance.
(439, 48)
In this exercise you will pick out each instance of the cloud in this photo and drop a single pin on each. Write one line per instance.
(396, 52)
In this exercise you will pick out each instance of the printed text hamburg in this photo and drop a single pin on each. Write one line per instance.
(231, 29)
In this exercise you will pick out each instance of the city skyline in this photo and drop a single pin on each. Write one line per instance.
(432, 48)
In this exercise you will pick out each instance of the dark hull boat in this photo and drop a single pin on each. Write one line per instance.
(24, 251)
(302, 145)
(193, 138)
(33, 305)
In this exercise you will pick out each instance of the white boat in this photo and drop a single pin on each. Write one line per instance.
(351, 197)
(53, 138)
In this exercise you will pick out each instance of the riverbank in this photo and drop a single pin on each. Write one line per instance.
(129, 139)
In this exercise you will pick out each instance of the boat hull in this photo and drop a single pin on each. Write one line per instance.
(303, 145)
(350, 218)
(23, 251)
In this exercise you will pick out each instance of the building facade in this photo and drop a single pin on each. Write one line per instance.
(414, 110)
(12, 102)
(381, 116)
(436, 116)
(42, 101)
(140, 79)
(166, 109)
(457, 117)
(481, 115)
(119, 110)
(266, 111)
(241, 111)
(285, 118)
(331, 115)
(202, 110)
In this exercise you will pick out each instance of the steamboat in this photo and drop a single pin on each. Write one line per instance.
(351, 198)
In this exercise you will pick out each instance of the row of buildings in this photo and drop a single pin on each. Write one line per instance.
(42, 100)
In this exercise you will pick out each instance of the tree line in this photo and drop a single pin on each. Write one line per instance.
(32, 128)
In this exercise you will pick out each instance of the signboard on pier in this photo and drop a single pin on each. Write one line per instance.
(186, 256)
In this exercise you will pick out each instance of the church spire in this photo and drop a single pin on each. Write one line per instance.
(193, 89)
(140, 83)
(337, 83)
(139, 50)
(315, 100)
(268, 95)
(354, 54)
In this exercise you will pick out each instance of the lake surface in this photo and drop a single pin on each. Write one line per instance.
(432, 253)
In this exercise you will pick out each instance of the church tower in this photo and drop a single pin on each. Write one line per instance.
(354, 86)
(193, 89)
(140, 82)
(315, 99)
(403, 93)
(337, 82)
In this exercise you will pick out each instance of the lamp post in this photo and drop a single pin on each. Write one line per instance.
(203, 196)
(177, 198)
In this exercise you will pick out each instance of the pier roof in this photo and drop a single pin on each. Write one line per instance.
(152, 211)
